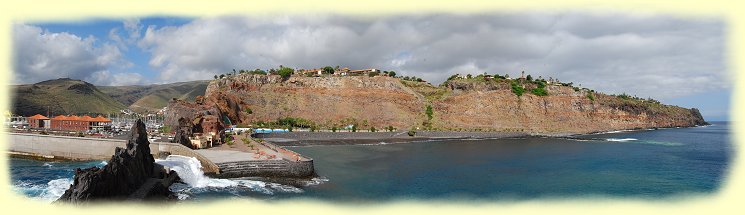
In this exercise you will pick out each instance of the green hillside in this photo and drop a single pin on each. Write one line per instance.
(152, 98)
(62, 96)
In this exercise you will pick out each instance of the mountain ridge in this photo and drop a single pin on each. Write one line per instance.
(62, 96)
(69, 96)
(151, 98)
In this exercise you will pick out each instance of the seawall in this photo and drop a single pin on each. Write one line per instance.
(51, 147)
(82, 148)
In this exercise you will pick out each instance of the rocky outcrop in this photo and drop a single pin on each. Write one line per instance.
(131, 173)
(458, 105)
(202, 117)
(183, 132)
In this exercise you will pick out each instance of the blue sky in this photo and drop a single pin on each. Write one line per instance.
(679, 61)
(100, 29)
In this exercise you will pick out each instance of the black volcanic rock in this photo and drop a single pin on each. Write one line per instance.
(183, 132)
(131, 173)
(697, 119)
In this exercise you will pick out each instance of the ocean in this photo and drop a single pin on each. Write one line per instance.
(664, 163)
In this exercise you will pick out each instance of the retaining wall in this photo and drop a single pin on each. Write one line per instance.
(62, 147)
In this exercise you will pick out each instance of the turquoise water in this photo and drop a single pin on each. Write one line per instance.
(636, 164)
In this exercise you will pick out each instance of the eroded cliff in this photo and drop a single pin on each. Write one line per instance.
(460, 105)
(327, 101)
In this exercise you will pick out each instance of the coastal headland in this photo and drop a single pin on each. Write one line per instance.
(484, 103)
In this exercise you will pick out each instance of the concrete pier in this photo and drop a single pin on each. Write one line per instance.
(281, 163)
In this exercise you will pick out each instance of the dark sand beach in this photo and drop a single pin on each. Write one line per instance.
(351, 138)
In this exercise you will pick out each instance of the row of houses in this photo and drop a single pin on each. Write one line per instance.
(69, 123)
(337, 72)
(550, 81)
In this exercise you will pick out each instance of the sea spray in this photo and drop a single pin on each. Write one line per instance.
(48, 192)
(190, 171)
(55, 188)
(637, 141)
(620, 139)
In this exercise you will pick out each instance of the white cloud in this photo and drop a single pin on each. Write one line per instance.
(40, 55)
(133, 27)
(107, 78)
(656, 56)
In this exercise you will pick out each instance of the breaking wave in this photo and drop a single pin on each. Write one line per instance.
(190, 171)
(620, 139)
(46, 192)
(651, 142)
(316, 181)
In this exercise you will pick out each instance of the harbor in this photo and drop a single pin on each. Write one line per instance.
(266, 159)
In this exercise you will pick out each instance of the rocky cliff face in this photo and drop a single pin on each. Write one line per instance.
(563, 111)
(380, 101)
(131, 173)
(457, 105)
(203, 117)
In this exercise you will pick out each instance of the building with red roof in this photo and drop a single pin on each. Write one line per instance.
(76, 123)
(38, 121)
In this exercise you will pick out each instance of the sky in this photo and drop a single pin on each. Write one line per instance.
(677, 60)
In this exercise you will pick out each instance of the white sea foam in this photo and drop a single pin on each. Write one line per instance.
(620, 139)
(661, 143)
(55, 188)
(614, 132)
(650, 142)
(316, 181)
(182, 196)
(374, 144)
(48, 164)
(190, 171)
(46, 192)
(27, 187)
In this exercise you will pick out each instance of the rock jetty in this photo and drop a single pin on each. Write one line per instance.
(130, 174)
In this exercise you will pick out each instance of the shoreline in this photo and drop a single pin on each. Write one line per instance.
(302, 138)
(294, 139)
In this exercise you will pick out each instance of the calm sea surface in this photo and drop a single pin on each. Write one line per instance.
(634, 164)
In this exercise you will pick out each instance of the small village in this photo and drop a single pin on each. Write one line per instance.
(326, 71)
(100, 126)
